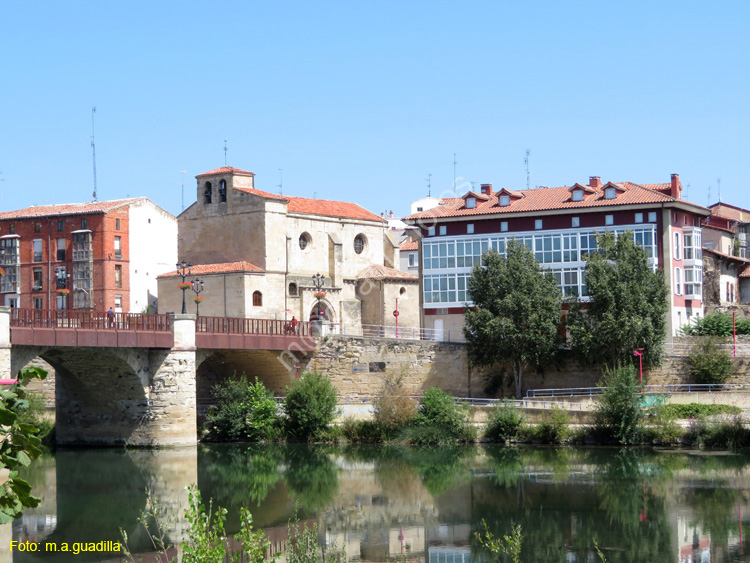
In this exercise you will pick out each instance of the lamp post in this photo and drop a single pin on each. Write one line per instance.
(318, 280)
(184, 270)
(639, 352)
(197, 288)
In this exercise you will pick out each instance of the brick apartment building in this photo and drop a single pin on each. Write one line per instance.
(86, 256)
(560, 226)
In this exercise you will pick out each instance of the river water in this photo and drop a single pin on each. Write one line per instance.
(638, 505)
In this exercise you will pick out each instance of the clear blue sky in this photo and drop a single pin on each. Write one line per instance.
(361, 101)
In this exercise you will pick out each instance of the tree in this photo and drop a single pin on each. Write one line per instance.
(516, 312)
(310, 405)
(627, 307)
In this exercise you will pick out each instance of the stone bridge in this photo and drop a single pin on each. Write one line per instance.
(136, 379)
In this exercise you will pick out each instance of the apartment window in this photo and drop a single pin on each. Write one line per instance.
(693, 281)
(61, 278)
(118, 247)
(677, 281)
(38, 279)
(538, 224)
(504, 200)
(9, 258)
(118, 276)
(577, 195)
(609, 219)
(60, 302)
(12, 228)
(431, 232)
(81, 285)
(443, 230)
(652, 216)
(117, 224)
(38, 303)
(471, 202)
(60, 249)
(82, 246)
(37, 227)
(60, 226)
(575, 222)
(470, 229)
(610, 193)
(677, 246)
(118, 303)
(639, 217)
(37, 243)
(504, 226)
(412, 259)
(84, 223)
(257, 299)
(292, 288)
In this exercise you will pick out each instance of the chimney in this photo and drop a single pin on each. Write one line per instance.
(595, 182)
(487, 189)
(675, 187)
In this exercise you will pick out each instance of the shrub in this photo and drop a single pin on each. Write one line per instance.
(727, 434)
(504, 423)
(715, 324)
(310, 405)
(618, 413)
(363, 431)
(709, 364)
(243, 411)
(555, 429)
(392, 410)
(439, 420)
(695, 410)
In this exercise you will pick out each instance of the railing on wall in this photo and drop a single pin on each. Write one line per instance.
(402, 333)
(230, 325)
(94, 320)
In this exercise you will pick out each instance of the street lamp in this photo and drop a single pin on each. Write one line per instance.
(318, 281)
(184, 270)
(639, 352)
(197, 288)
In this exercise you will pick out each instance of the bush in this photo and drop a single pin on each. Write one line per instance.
(392, 410)
(555, 429)
(504, 423)
(618, 413)
(715, 324)
(709, 364)
(243, 411)
(310, 406)
(695, 410)
(727, 434)
(439, 420)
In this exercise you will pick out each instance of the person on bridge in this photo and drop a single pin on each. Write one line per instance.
(110, 317)
(294, 324)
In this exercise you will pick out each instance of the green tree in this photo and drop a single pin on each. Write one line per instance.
(310, 405)
(19, 444)
(516, 312)
(618, 411)
(627, 307)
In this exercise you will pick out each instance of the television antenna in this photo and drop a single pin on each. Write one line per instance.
(454, 172)
(429, 185)
(182, 189)
(280, 185)
(93, 148)
(526, 163)
(225, 152)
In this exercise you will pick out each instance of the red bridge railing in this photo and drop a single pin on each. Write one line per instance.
(94, 320)
(231, 325)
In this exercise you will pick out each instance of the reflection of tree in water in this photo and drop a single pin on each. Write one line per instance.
(311, 474)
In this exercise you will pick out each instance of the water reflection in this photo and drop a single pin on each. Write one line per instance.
(639, 505)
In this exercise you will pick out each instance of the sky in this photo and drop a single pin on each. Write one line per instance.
(363, 101)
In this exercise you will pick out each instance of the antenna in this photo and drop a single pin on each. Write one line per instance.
(225, 152)
(709, 195)
(182, 189)
(526, 162)
(454, 172)
(93, 147)
(718, 181)
(472, 185)
(687, 192)
(429, 185)
(2, 189)
(280, 185)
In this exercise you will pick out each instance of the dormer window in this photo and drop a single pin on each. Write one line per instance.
(610, 193)
(577, 195)
(504, 200)
(471, 202)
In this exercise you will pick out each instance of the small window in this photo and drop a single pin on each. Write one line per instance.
(117, 224)
(359, 244)
(118, 276)
(503, 226)
(37, 250)
(471, 202)
(577, 195)
(504, 200)
(38, 302)
(575, 222)
(419, 209)
(12, 229)
(609, 219)
(207, 192)
(118, 248)
(537, 224)
(677, 246)
(652, 216)
(60, 249)
(292, 288)
(431, 232)
(60, 226)
(257, 299)
(38, 281)
(470, 229)
(443, 229)
(223, 191)
(84, 224)
(402, 291)
(674, 217)
(412, 259)
(677, 281)
(37, 227)
(610, 193)
(639, 217)
(304, 240)
(118, 303)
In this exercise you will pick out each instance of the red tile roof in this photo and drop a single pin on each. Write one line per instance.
(376, 271)
(331, 209)
(261, 193)
(725, 256)
(68, 209)
(745, 273)
(409, 245)
(225, 170)
(205, 269)
(548, 199)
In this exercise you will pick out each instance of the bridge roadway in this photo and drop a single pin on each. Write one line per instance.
(135, 379)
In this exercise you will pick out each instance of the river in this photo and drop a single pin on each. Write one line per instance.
(378, 501)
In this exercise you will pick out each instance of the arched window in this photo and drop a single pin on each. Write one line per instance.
(304, 240)
(207, 193)
(677, 246)
(223, 191)
(292, 288)
(402, 291)
(257, 299)
(359, 243)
